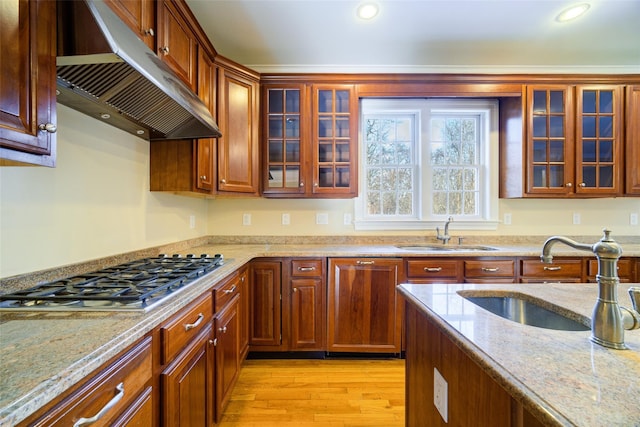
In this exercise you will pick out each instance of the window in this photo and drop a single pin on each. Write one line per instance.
(423, 160)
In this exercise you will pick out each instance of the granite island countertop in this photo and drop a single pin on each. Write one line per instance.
(561, 377)
(44, 354)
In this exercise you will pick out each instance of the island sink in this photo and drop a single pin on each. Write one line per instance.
(526, 312)
(446, 248)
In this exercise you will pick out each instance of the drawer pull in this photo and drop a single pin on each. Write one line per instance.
(490, 269)
(432, 269)
(556, 268)
(223, 329)
(359, 262)
(110, 404)
(306, 269)
(230, 291)
(195, 324)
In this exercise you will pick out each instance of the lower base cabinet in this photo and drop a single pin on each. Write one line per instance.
(227, 353)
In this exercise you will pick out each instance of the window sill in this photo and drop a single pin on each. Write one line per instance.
(361, 225)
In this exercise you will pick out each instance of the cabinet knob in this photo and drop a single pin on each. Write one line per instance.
(203, 177)
(164, 50)
(302, 184)
(48, 127)
(582, 184)
(223, 181)
(149, 32)
(315, 184)
(295, 289)
(223, 329)
(569, 185)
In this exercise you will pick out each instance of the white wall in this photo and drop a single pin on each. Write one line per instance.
(95, 203)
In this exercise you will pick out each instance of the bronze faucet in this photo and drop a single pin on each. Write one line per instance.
(609, 320)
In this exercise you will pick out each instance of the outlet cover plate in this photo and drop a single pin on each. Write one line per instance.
(440, 394)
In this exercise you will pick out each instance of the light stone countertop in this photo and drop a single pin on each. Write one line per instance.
(43, 354)
(559, 376)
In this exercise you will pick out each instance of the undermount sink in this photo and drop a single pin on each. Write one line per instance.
(446, 248)
(526, 312)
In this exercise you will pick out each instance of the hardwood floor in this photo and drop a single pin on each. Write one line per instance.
(314, 393)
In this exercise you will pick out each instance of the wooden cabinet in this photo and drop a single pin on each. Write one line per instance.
(265, 296)
(177, 43)
(121, 393)
(363, 305)
(307, 287)
(568, 270)
(627, 270)
(434, 270)
(574, 140)
(238, 116)
(310, 140)
(632, 156)
(227, 353)
(28, 118)
(140, 16)
(482, 270)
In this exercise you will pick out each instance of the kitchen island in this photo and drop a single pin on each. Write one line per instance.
(553, 377)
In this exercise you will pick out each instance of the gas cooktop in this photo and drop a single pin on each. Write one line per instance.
(133, 286)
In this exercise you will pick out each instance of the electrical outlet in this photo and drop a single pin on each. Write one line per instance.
(192, 221)
(347, 219)
(286, 219)
(576, 218)
(246, 219)
(322, 218)
(440, 394)
(633, 219)
(507, 219)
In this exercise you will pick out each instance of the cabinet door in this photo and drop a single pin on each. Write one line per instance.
(177, 44)
(335, 136)
(27, 83)
(205, 173)
(139, 15)
(227, 332)
(599, 140)
(265, 328)
(286, 160)
(238, 145)
(550, 165)
(363, 308)
(632, 157)
(307, 314)
(187, 384)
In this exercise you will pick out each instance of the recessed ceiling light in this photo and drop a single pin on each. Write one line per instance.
(573, 12)
(367, 10)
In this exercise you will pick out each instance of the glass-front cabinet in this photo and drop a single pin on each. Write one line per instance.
(310, 139)
(574, 141)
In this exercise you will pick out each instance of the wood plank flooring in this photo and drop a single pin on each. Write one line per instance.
(318, 393)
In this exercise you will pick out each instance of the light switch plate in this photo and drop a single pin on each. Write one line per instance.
(322, 218)
(246, 219)
(576, 218)
(633, 219)
(286, 219)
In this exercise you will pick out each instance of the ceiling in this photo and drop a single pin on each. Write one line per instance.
(424, 36)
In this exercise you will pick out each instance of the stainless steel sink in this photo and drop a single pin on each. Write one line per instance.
(526, 312)
(445, 248)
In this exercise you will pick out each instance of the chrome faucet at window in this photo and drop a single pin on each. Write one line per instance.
(444, 237)
(609, 320)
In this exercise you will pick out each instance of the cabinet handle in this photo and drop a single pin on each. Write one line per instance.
(110, 404)
(490, 269)
(48, 127)
(242, 279)
(569, 185)
(432, 269)
(306, 269)
(195, 324)
(149, 32)
(230, 291)
(557, 268)
(365, 262)
(214, 342)
(164, 50)
(223, 329)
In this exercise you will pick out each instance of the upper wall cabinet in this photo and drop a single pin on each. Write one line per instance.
(27, 85)
(177, 43)
(310, 140)
(140, 16)
(633, 140)
(574, 142)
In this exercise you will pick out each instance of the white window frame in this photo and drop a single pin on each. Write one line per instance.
(487, 109)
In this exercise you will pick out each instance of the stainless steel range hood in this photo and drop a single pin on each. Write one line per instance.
(104, 70)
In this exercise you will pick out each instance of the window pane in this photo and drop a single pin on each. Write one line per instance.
(437, 130)
(275, 127)
(470, 203)
(455, 203)
(373, 179)
(275, 177)
(589, 127)
(453, 131)
(556, 126)
(405, 179)
(439, 179)
(275, 101)
(556, 178)
(539, 101)
(470, 180)
(325, 101)
(403, 153)
(455, 179)
(275, 151)
(556, 101)
(439, 206)
(606, 101)
(438, 156)
(589, 101)
(453, 153)
(606, 150)
(389, 203)
(469, 153)
(556, 150)
(606, 127)
(588, 151)
(405, 203)
(539, 151)
(292, 176)
(292, 101)
(404, 130)
(589, 176)
(293, 151)
(388, 179)
(539, 127)
(293, 126)
(374, 204)
(606, 176)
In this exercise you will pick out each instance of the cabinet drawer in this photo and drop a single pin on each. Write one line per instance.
(115, 390)
(559, 268)
(625, 268)
(178, 332)
(306, 267)
(489, 268)
(223, 293)
(433, 268)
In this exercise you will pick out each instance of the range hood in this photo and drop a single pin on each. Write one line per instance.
(105, 71)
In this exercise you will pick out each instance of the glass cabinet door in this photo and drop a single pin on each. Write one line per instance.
(334, 139)
(549, 139)
(598, 139)
(283, 156)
